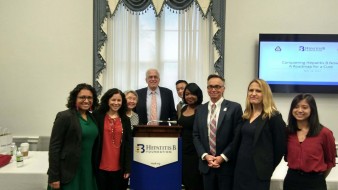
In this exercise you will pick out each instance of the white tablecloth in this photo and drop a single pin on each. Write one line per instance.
(281, 170)
(31, 176)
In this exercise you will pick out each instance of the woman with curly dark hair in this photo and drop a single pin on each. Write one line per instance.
(311, 148)
(74, 135)
(114, 157)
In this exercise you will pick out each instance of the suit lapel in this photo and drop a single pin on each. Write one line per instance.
(77, 124)
(144, 96)
(163, 99)
(222, 113)
(204, 112)
(259, 127)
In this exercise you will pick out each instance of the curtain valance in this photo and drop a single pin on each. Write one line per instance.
(142, 5)
(102, 8)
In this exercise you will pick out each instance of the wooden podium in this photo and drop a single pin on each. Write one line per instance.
(156, 131)
(157, 158)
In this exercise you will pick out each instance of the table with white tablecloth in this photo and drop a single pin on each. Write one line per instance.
(281, 170)
(31, 176)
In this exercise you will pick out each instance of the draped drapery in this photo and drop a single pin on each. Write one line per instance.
(103, 9)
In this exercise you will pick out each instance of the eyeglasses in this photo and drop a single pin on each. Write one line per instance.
(83, 98)
(153, 77)
(216, 87)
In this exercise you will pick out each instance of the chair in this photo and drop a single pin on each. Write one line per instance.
(43, 143)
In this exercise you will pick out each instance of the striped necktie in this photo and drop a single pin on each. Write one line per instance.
(212, 130)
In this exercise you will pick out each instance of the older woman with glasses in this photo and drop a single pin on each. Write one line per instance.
(72, 140)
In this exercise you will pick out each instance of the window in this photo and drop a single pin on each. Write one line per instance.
(123, 51)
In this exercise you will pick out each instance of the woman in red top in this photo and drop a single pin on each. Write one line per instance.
(114, 158)
(311, 148)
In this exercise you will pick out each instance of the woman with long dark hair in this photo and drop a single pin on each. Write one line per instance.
(114, 155)
(311, 148)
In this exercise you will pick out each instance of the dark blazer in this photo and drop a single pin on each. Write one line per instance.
(230, 117)
(126, 145)
(167, 107)
(269, 145)
(65, 147)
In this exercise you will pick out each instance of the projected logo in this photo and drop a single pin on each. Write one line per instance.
(308, 48)
(278, 48)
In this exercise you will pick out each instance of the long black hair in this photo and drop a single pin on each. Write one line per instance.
(314, 125)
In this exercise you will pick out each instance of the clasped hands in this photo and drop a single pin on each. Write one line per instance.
(214, 161)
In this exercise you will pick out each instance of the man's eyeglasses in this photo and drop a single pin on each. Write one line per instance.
(153, 77)
(83, 98)
(216, 87)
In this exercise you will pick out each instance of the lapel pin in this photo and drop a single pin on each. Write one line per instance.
(225, 109)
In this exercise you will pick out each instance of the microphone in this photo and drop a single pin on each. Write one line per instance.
(161, 121)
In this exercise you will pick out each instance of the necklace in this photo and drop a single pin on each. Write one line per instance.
(114, 123)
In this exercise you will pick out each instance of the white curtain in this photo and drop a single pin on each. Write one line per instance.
(178, 45)
(195, 48)
(122, 52)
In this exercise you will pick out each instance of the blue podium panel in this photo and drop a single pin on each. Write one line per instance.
(164, 177)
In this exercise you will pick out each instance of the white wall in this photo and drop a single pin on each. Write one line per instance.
(245, 19)
(46, 49)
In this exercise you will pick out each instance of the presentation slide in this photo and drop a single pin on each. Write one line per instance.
(307, 63)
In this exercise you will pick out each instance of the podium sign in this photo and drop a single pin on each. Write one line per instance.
(155, 152)
(157, 158)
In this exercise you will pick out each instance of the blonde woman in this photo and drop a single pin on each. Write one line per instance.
(261, 141)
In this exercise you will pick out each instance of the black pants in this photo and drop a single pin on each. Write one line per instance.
(108, 180)
(296, 180)
(213, 180)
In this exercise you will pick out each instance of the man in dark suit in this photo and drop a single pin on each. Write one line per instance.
(165, 105)
(214, 129)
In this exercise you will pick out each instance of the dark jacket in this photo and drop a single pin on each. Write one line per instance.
(229, 119)
(65, 146)
(126, 145)
(168, 110)
(269, 145)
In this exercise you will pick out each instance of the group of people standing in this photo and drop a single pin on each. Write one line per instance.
(92, 150)
(222, 147)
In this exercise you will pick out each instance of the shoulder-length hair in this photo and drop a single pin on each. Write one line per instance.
(268, 104)
(104, 103)
(314, 125)
(195, 90)
(71, 103)
(131, 92)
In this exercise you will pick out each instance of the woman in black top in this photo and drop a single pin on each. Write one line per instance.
(191, 177)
